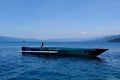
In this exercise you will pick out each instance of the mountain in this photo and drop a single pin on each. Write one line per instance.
(112, 38)
(10, 39)
(69, 39)
(117, 39)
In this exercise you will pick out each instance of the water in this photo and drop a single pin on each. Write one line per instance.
(15, 66)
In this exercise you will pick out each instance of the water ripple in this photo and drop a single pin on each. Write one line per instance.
(15, 66)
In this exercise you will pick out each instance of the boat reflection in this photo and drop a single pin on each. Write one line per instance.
(56, 57)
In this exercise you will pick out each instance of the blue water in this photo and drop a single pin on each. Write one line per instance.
(15, 66)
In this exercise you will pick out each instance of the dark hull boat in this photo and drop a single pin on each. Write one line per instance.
(63, 51)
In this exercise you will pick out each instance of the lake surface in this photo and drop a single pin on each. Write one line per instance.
(15, 66)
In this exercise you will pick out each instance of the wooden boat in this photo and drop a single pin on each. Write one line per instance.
(63, 51)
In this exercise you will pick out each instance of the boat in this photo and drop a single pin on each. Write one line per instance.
(64, 51)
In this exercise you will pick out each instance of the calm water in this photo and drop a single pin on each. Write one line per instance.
(15, 66)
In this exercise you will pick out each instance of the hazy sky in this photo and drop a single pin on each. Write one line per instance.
(46, 19)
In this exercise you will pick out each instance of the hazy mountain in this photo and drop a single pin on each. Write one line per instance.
(69, 39)
(116, 39)
(113, 38)
(10, 39)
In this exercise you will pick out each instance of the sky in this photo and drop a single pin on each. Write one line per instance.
(48, 19)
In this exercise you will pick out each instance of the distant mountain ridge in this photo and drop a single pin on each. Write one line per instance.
(68, 39)
(11, 39)
(113, 38)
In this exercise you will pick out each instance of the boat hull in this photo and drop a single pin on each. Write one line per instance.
(63, 51)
